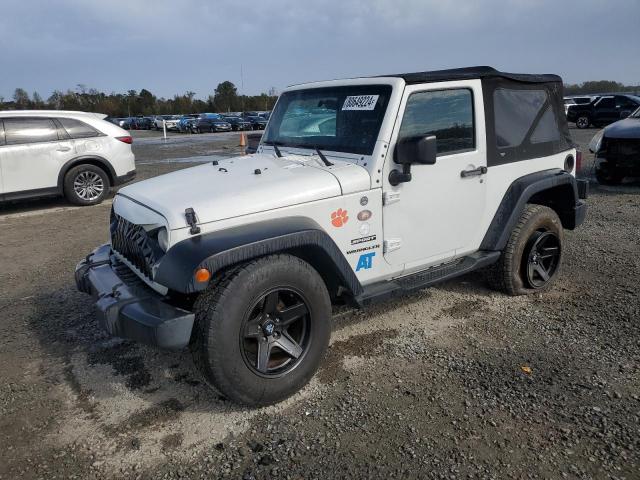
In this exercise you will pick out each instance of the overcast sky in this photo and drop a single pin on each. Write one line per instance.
(172, 46)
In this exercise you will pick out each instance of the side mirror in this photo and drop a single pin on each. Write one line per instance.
(410, 150)
(421, 150)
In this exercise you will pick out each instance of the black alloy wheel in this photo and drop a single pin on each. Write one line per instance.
(542, 257)
(583, 122)
(276, 333)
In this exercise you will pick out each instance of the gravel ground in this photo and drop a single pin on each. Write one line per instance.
(454, 382)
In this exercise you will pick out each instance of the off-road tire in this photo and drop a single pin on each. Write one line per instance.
(220, 312)
(73, 174)
(508, 274)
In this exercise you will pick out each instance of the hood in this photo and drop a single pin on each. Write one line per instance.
(233, 187)
(627, 128)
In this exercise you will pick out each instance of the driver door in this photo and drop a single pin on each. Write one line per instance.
(436, 215)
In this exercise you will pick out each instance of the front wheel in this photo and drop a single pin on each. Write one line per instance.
(262, 330)
(531, 260)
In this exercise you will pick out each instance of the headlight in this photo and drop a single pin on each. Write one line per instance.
(163, 239)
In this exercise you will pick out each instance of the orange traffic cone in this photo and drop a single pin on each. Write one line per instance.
(243, 140)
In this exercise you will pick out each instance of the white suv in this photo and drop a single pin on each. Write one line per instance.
(361, 189)
(76, 154)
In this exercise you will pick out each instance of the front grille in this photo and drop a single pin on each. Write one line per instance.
(133, 243)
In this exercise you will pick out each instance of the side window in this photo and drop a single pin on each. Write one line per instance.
(624, 102)
(547, 128)
(606, 102)
(447, 114)
(29, 130)
(515, 114)
(77, 129)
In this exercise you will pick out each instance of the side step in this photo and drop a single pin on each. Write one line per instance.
(381, 291)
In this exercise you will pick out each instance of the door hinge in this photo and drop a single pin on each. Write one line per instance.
(391, 244)
(390, 197)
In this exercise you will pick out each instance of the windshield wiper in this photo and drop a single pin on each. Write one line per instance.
(322, 156)
(275, 148)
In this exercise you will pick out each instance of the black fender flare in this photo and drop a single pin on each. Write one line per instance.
(92, 159)
(218, 250)
(556, 184)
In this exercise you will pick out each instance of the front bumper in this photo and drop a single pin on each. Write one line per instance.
(128, 308)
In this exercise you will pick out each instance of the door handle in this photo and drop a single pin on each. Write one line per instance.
(473, 173)
(63, 149)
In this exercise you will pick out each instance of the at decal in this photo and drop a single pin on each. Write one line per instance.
(356, 241)
(365, 262)
(339, 218)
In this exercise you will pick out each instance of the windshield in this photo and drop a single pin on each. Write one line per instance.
(342, 119)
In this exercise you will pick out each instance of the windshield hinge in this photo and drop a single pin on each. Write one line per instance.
(391, 244)
(390, 197)
(192, 220)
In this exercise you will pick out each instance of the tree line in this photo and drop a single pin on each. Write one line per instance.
(224, 99)
(599, 86)
(132, 103)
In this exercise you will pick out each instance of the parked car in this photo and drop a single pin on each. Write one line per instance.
(186, 123)
(140, 123)
(250, 114)
(120, 122)
(53, 152)
(239, 123)
(171, 122)
(241, 259)
(578, 100)
(257, 123)
(617, 150)
(602, 110)
(210, 122)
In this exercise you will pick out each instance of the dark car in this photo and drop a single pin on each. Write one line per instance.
(210, 122)
(602, 111)
(238, 123)
(140, 123)
(617, 150)
(251, 114)
(257, 123)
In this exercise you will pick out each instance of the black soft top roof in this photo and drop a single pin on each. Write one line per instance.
(469, 73)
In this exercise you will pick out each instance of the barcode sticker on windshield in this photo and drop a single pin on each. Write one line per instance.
(360, 102)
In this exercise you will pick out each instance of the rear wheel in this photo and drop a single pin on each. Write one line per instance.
(262, 330)
(531, 260)
(86, 185)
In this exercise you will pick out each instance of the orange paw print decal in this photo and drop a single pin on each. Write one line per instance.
(339, 217)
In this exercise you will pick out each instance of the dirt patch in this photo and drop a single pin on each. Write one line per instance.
(366, 345)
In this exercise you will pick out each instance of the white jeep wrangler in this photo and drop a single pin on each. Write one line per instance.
(361, 189)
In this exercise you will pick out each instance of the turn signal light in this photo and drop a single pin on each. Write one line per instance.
(202, 275)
